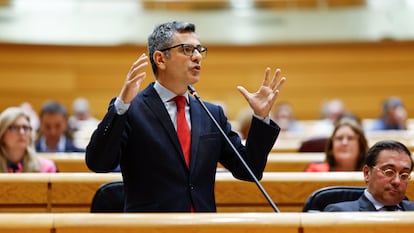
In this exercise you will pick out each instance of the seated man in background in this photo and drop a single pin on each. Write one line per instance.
(81, 122)
(394, 116)
(387, 172)
(283, 115)
(54, 135)
(331, 112)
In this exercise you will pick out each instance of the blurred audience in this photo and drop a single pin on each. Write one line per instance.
(283, 115)
(34, 118)
(331, 111)
(393, 117)
(345, 149)
(81, 122)
(54, 135)
(17, 153)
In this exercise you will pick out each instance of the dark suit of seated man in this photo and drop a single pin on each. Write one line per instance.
(387, 170)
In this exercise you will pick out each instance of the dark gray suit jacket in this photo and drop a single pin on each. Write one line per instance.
(155, 175)
(362, 204)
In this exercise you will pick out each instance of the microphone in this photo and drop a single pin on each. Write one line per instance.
(193, 92)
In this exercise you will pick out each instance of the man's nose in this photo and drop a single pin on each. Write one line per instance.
(197, 54)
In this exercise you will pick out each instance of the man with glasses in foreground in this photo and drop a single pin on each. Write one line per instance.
(387, 172)
(167, 146)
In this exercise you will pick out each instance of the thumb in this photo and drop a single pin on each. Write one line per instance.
(243, 91)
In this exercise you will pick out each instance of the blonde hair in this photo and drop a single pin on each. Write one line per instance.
(31, 162)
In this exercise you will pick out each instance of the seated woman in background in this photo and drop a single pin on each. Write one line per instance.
(345, 150)
(17, 153)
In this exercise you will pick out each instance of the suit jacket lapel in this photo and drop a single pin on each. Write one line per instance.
(196, 121)
(365, 204)
(406, 205)
(155, 104)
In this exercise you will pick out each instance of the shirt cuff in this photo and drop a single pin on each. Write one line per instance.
(120, 106)
(265, 119)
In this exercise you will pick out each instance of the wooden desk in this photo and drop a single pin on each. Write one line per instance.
(288, 190)
(68, 162)
(177, 223)
(24, 193)
(367, 222)
(185, 4)
(26, 223)
(277, 162)
(73, 192)
(291, 162)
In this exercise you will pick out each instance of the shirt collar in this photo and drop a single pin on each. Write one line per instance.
(165, 94)
(60, 146)
(376, 203)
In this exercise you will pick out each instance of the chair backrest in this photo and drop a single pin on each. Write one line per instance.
(319, 199)
(316, 144)
(109, 198)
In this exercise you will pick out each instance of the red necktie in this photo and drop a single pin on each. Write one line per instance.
(183, 130)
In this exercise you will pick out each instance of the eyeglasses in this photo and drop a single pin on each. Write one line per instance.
(392, 174)
(20, 128)
(189, 49)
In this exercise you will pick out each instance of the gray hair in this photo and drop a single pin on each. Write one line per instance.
(163, 36)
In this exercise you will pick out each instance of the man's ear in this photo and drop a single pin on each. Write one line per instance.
(367, 173)
(159, 59)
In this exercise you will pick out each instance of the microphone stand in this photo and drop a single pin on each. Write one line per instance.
(259, 185)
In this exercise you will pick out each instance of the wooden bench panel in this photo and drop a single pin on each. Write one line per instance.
(176, 223)
(277, 162)
(185, 4)
(369, 222)
(288, 190)
(26, 223)
(334, 70)
(73, 192)
(24, 193)
(299, 4)
(270, 4)
(291, 162)
(68, 162)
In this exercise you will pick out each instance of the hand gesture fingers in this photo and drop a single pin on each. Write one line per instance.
(262, 101)
(134, 78)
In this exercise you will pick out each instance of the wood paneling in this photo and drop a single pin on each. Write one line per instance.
(73, 192)
(375, 222)
(361, 74)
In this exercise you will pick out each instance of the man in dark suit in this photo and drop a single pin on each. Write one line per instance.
(387, 172)
(54, 135)
(139, 130)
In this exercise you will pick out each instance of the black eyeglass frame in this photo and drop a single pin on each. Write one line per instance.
(201, 49)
